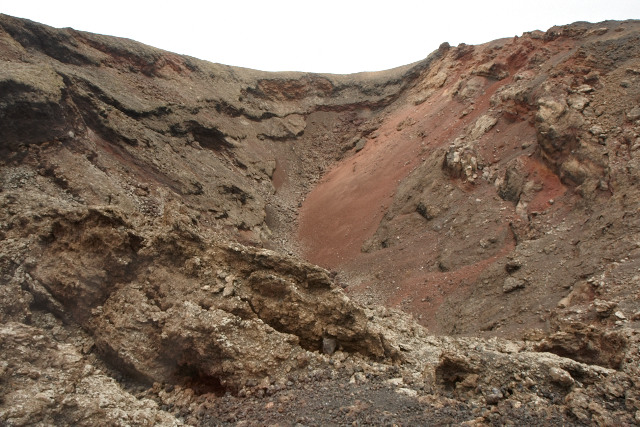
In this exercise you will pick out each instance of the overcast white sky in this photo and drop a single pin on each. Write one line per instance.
(322, 36)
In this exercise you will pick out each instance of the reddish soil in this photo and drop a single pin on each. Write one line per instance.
(429, 267)
(360, 189)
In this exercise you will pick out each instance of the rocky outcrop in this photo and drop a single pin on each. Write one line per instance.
(166, 303)
(46, 382)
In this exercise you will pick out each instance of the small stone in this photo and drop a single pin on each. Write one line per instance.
(598, 31)
(634, 114)
(578, 102)
(604, 308)
(512, 266)
(564, 302)
(494, 396)
(329, 345)
(596, 130)
(620, 315)
(360, 144)
(395, 381)
(470, 381)
(512, 283)
(584, 89)
(407, 391)
(560, 376)
(358, 377)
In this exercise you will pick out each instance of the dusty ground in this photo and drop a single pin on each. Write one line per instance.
(163, 219)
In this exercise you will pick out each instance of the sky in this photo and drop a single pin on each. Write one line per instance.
(326, 36)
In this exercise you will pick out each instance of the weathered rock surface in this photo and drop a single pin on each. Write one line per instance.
(164, 301)
(44, 382)
(152, 264)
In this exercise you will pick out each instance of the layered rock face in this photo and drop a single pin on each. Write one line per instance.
(191, 243)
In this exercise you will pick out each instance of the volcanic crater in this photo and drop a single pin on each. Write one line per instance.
(454, 241)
